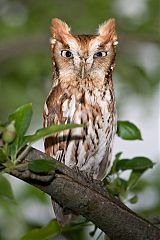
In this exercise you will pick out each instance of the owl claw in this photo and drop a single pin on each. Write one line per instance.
(87, 176)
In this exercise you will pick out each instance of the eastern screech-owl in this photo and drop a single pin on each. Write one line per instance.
(82, 92)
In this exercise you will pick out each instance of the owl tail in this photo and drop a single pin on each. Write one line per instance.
(61, 217)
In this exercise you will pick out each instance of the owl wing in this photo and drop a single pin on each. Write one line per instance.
(53, 145)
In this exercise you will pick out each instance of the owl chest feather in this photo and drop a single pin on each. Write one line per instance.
(88, 148)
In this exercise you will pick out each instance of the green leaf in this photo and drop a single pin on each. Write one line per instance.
(44, 132)
(133, 199)
(118, 186)
(9, 132)
(44, 233)
(137, 163)
(53, 229)
(3, 156)
(128, 131)
(43, 166)
(134, 177)
(115, 163)
(22, 117)
(5, 189)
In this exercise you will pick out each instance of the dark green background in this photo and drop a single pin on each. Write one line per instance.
(26, 71)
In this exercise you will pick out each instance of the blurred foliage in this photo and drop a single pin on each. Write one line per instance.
(26, 72)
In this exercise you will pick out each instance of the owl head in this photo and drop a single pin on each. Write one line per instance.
(79, 57)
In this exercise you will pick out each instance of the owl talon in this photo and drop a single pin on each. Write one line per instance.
(88, 176)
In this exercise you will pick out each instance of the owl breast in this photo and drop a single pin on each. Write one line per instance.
(89, 148)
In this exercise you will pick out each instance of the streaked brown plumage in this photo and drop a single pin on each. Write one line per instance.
(82, 92)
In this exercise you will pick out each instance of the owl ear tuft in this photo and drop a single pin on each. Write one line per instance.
(107, 31)
(60, 30)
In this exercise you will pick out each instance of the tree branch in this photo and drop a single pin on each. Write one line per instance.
(71, 189)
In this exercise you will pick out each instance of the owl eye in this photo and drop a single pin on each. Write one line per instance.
(100, 54)
(66, 53)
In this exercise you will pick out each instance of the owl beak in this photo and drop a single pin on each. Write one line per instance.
(83, 71)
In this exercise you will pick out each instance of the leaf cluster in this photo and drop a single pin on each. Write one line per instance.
(136, 166)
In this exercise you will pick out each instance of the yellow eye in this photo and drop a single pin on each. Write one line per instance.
(100, 54)
(66, 53)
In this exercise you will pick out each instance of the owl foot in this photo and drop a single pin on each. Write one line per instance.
(87, 176)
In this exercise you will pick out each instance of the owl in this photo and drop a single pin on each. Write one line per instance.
(82, 92)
